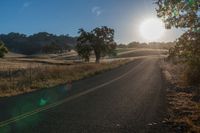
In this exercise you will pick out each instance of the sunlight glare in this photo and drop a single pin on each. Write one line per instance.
(152, 29)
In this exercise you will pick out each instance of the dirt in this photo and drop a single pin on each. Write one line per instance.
(183, 101)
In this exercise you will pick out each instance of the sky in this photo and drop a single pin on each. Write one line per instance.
(67, 16)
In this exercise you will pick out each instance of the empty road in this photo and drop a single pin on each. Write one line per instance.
(128, 99)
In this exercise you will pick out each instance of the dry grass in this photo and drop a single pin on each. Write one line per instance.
(174, 73)
(184, 112)
(21, 77)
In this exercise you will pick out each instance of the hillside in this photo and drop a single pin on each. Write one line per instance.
(41, 42)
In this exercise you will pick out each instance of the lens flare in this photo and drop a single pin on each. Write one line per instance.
(42, 102)
(152, 29)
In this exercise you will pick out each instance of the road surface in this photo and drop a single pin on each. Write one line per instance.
(128, 99)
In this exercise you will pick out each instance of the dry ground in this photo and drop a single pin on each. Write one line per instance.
(184, 108)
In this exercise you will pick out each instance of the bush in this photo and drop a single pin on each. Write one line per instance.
(193, 75)
(3, 49)
(187, 50)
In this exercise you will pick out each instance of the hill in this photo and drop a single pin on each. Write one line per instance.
(41, 42)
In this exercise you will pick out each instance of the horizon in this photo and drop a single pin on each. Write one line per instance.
(66, 17)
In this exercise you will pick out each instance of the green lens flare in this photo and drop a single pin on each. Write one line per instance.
(42, 102)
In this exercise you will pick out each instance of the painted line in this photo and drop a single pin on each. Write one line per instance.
(25, 115)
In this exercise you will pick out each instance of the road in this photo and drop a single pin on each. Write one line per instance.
(128, 99)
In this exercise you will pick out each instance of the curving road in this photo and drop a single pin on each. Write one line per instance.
(128, 99)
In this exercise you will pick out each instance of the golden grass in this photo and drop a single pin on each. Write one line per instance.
(22, 77)
(184, 110)
(174, 73)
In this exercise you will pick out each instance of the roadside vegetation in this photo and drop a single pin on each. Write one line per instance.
(183, 99)
(182, 67)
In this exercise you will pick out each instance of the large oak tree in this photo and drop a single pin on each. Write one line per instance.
(100, 40)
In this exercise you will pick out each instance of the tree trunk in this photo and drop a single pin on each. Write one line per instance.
(98, 56)
(97, 59)
(87, 59)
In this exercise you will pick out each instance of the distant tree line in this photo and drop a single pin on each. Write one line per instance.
(41, 42)
(153, 45)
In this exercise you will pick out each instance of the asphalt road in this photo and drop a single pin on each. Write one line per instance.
(128, 99)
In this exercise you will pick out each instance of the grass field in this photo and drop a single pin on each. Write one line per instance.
(21, 75)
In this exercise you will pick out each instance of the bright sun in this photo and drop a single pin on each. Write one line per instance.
(152, 29)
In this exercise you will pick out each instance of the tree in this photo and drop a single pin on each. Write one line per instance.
(179, 13)
(187, 48)
(3, 49)
(100, 40)
(184, 14)
(83, 46)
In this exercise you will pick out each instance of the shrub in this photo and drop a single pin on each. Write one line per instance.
(3, 49)
(187, 50)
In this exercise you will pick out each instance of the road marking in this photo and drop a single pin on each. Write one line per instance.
(25, 115)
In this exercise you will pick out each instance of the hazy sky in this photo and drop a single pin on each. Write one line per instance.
(67, 16)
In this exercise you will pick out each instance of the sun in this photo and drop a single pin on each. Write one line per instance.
(152, 29)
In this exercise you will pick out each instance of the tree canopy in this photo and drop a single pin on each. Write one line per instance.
(100, 40)
(184, 14)
(83, 46)
(179, 13)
